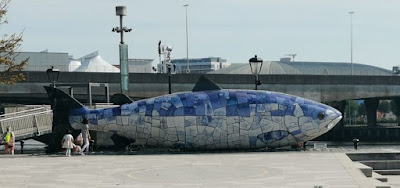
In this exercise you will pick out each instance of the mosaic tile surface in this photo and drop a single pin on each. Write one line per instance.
(220, 119)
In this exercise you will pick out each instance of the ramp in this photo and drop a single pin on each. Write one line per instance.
(28, 123)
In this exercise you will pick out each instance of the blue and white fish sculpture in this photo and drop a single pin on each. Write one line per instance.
(212, 118)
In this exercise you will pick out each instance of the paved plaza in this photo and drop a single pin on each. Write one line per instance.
(329, 168)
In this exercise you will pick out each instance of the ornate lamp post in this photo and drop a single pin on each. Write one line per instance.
(255, 66)
(123, 50)
(53, 74)
(187, 41)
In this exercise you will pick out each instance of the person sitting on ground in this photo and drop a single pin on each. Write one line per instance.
(77, 149)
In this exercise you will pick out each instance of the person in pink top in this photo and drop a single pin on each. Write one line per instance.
(68, 143)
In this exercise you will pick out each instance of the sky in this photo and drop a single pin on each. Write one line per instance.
(315, 30)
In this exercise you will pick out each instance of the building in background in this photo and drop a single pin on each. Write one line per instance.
(200, 65)
(307, 68)
(41, 61)
(140, 65)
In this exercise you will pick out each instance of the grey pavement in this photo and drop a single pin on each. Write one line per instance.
(329, 168)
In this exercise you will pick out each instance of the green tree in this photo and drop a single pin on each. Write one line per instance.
(394, 107)
(10, 71)
(362, 110)
(384, 107)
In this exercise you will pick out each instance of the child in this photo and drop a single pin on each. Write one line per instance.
(67, 143)
(77, 149)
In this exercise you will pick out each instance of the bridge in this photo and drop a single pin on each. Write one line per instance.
(28, 123)
(323, 88)
(334, 89)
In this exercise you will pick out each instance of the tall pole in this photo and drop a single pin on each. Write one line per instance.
(123, 50)
(187, 41)
(351, 41)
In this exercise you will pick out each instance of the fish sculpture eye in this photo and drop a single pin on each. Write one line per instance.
(321, 115)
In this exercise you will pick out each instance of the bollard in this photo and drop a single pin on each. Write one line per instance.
(355, 142)
(22, 146)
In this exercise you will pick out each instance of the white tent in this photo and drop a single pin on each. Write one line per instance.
(73, 65)
(94, 63)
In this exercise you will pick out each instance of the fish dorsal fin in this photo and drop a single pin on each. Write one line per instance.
(205, 84)
(120, 99)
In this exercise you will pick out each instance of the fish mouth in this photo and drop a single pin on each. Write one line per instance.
(331, 124)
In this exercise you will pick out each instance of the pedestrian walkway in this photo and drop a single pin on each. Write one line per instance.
(286, 169)
(28, 123)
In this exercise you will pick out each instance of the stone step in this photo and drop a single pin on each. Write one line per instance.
(379, 177)
(366, 170)
(388, 172)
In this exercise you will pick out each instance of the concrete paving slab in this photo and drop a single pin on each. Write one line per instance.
(252, 169)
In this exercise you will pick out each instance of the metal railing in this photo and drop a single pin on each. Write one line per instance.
(28, 123)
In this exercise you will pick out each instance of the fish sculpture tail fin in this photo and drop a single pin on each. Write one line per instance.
(61, 101)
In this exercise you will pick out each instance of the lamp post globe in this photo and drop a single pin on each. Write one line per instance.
(255, 67)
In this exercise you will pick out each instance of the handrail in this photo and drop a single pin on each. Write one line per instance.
(20, 117)
(24, 111)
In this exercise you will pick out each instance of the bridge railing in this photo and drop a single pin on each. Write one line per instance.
(28, 123)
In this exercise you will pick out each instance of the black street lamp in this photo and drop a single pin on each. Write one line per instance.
(255, 66)
(53, 74)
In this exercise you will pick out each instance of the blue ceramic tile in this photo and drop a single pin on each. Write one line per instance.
(116, 111)
(290, 110)
(189, 99)
(307, 110)
(231, 110)
(179, 112)
(209, 110)
(241, 97)
(232, 93)
(232, 101)
(296, 132)
(149, 109)
(157, 104)
(132, 106)
(200, 111)
(100, 114)
(251, 98)
(141, 103)
(261, 97)
(244, 110)
(271, 98)
(150, 101)
(176, 101)
(112, 118)
(165, 105)
(163, 112)
(189, 111)
(299, 100)
(171, 111)
(278, 113)
(79, 111)
(260, 108)
(272, 136)
(213, 96)
(108, 112)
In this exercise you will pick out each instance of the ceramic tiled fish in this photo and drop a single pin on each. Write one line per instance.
(209, 117)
